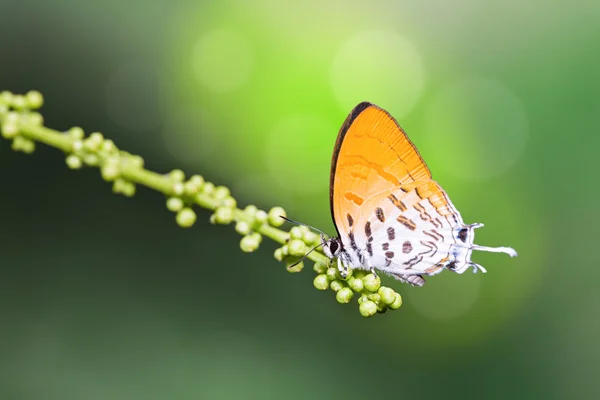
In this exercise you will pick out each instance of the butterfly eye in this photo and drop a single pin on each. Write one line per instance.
(334, 247)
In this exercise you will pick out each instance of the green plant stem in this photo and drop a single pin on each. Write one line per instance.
(153, 180)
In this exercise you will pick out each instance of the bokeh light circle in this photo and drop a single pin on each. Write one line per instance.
(222, 60)
(480, 125)
(379, 66)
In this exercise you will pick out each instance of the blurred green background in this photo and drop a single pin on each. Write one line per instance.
(104, 297)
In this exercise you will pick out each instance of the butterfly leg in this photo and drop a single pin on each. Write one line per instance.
(342, 268)
(371, 268)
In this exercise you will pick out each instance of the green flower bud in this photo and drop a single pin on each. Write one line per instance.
(296, 268)
(372, 282)
(178, 189)
(177, 175)
(25, 145)
(3, 109)
(137, 161)
(97, 138)
(108, 146)
(190, 188)
(387, 295)
(35, 118)
(77, 145)
(320, 268)
(321, 282)
(331, 273)
(110, 171)
(223, 215)
(297, 248)
(229, 202)
(250, 211)
(128, 189)
(221, 192)
(310, 237)
(374, 297)
(73, 162)
(34, 99)
(279, 254)
(336, 285)
(12, 117)
(397, 302)
(356, 284)
(90, 159)
(261, 217)
(76, 133)
(19, 102)
(93, 142)
(296, 233)
(6, 97)
(208, 188)
(367, 309)
(118, 185)
(17, 143)
(186, 217)
(243, 228)
(344, 295)
(174, 204)
(249, 243)
(362, 299)
(197, 181)
(10, 130)
(274, 216)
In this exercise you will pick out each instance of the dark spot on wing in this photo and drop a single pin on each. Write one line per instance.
(462, 235)
(408, 223)
(398, 203)
(379, 214)
(368, 229)
(350, 220)
(391, 233)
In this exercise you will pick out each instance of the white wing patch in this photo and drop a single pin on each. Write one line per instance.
(402, 234)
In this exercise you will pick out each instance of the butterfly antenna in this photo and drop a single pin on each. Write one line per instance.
(308, 226)
(306, 255)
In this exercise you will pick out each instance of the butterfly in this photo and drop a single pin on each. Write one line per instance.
(389, 214)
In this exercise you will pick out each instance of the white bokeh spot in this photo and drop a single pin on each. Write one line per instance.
(222, 60)
(480, 124)
(379, 66)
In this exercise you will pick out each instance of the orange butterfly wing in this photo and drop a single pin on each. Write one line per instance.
(372, 154)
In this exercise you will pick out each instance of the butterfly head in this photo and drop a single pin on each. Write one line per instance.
(332, 246)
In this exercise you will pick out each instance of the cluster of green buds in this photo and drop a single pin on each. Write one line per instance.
(372, 296)
(18, 109)
(97, 151)
(301, 240)
(23, 125)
